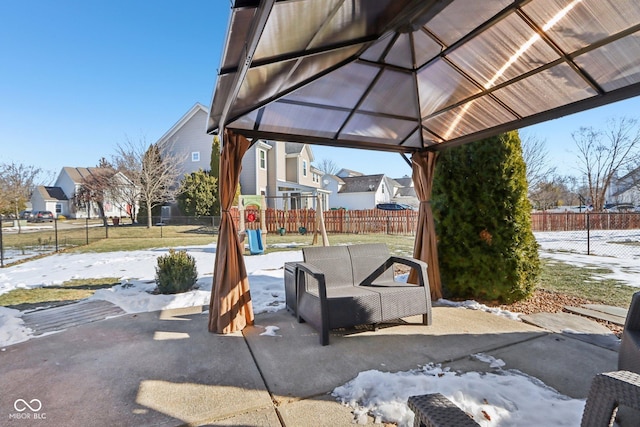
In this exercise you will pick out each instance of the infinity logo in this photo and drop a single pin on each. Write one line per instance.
(21, 405)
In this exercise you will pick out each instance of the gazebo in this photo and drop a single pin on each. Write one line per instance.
(405, 76)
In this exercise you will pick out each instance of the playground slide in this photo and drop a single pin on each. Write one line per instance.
(255, 242)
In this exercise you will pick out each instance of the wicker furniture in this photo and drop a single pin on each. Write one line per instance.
(629, 353)
(608, 391)
(345, 286)
(435, 410)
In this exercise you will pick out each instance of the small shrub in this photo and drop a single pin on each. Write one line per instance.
(176, 272)
(61, 217)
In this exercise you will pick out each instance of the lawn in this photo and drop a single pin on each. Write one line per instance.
(69, 291)
(556, 276)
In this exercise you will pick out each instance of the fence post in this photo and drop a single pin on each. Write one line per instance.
(86, 228)
(588, 234)
(55, 231)
(1, 246)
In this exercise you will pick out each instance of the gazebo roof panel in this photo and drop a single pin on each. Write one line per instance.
(614, 66)
(376, 129)
(469, 118)
(586, 22)
(463, 16)
(346, 73)
(545, 90)
(440, 86)
(502, 52)
(345, 88)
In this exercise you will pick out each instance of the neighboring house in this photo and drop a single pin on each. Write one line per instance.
(359, 191)
(625, 190)
(50, 199)
(188, 141)
(279, 170)
(61, 197)
(353, 190)
(282, 172)
(405, 192)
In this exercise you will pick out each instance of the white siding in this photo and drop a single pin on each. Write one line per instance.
(67, 185)
(354, 201)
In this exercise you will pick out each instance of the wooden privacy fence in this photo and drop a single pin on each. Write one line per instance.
(404, 222)
(336, 221)
(573, 221)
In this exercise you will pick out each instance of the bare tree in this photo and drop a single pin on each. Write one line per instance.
(154, 172)
(536, 155)
(328, 166)
(96, 187)
(553, 191)
(126, 195)
(602, 153)
(17, 182)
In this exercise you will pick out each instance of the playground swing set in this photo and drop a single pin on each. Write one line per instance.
(252, 208)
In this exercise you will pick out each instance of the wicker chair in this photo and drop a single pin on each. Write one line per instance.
(608, 392)
(629, 353)
(345, 286)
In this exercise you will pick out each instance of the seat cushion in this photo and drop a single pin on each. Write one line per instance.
(400, 300)
(353, 306)
(333, 261)
(366, 258)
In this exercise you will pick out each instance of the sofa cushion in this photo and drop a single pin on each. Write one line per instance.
(366, 258)
(353, 306)
(400, 299)
(333, 261)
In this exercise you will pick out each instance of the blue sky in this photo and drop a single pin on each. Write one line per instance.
(79, 77)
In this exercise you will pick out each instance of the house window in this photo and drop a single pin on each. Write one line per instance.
(304, 168)
(262, 156)
(195, 156)
(58, 208)
(382, 187)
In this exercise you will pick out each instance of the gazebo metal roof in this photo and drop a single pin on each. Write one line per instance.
(408, 75)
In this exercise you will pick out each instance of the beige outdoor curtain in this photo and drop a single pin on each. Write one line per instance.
(425, 247)
(230, 308)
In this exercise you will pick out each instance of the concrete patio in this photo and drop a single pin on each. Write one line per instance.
(165, 369)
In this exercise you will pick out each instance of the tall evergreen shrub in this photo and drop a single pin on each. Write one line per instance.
(483, 221)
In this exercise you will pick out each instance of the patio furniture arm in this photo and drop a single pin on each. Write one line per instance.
(304, 270)
(629, 352)
(608, 391)
(419, 265)
(632, 321)
(313, 271)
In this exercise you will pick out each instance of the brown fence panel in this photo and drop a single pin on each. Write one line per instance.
(572, 221)
(336, 221)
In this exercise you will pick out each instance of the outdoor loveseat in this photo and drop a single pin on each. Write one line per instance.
(346, 286)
